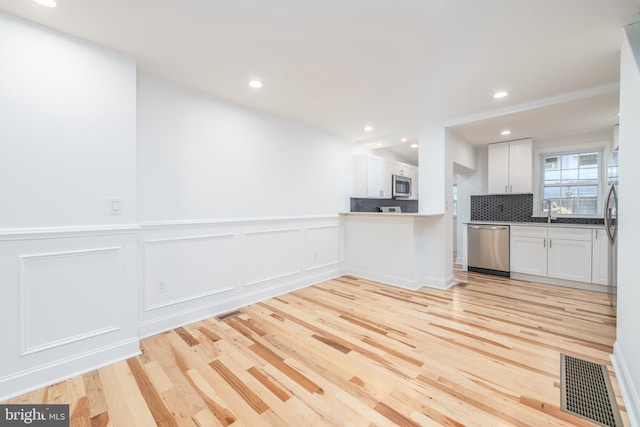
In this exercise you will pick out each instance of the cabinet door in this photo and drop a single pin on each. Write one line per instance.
(520, 166)
(570, 259)
(379, 177)
(399, 168)
(529, 255)
(412, 172)
(498, 180)
(600, 258)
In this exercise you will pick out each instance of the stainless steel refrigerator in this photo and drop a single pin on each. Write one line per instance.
(611, 225)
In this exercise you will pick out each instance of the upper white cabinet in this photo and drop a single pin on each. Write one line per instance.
(511, 167)
(371, 177)
(413, 174)
(402, 169)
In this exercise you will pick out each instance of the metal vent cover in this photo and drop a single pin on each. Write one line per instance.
(587, 393)
(228, 315)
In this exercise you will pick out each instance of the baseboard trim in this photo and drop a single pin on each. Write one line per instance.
(630, 394)
(29, 380)
(404, 283)
(560, 282)
(400, 282)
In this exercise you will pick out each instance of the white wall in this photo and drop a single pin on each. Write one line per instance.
(202, 158)
(67, 266)
(627, 347)
(465, 163)
(462, 153)
(435, 177)
(392, 155)
(236, 205)
(470, 183)
(67, 129)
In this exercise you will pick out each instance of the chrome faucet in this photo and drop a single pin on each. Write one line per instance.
(547, 203)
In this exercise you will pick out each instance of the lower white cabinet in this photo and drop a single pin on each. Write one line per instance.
(557, 252)
(528, 250)
(600, 260)
(569, 254)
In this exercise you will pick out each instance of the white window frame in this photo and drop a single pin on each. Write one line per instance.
(540, 154)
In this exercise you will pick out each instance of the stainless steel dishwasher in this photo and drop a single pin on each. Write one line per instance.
(488, 249)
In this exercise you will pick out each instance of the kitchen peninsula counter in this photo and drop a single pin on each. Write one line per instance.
(397, 214)
(394, 248)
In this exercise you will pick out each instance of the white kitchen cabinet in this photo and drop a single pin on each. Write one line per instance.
(528, 250)
(413, 174)
(569, 254)
(371, 177)
(399, 168)
(600, 257)
(556, 252)
(511, 167)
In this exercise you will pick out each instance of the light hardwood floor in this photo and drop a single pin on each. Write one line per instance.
(354, 352)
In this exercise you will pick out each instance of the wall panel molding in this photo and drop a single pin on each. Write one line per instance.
(195, 262)
(39, 233)
(48, 284)
(273, 256)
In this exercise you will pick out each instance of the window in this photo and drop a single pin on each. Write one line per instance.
(570, 181)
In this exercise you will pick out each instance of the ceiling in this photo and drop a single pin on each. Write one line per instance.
(395, 65)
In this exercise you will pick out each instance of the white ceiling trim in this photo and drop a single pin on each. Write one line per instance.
(540, 103)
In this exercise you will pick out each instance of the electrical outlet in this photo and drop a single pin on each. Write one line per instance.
(161, 286)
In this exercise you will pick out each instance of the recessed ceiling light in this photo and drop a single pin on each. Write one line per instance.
(46, 3)
(505, 132)
(404, 140)
(256, 84)
(379, 144)
(368, 128)
(414, 145)
(500, 94)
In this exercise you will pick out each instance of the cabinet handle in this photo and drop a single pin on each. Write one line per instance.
(511, 189)
(544, 243)
(505, 189)
(549, 243)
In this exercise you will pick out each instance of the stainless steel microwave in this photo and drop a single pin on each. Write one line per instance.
(400, 186)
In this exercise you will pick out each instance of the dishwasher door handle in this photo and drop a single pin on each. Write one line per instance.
(489, 227)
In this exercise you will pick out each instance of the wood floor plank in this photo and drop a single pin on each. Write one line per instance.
(351, 351)
(159, 411)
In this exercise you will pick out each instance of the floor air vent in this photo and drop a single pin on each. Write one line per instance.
(587, 392)
(230, 314)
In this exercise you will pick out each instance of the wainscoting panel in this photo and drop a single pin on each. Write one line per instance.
(198, 269)
(186, 268)
(323, 246)
(68, 305)
(58, 289)
(270, 254)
